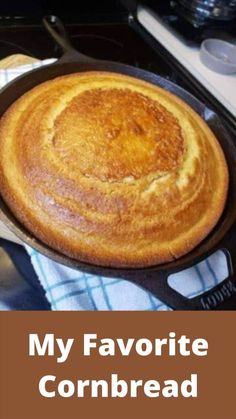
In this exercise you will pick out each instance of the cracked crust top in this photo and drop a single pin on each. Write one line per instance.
(111, 170)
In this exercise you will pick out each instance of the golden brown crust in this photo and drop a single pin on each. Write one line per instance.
(111, 170)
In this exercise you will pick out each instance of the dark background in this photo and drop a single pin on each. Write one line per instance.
(67, 7)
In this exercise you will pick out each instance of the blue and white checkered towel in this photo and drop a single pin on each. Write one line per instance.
(69, 289)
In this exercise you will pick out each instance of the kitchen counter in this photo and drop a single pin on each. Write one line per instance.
(223, 87)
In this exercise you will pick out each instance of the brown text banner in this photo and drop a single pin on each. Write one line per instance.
(113, 365)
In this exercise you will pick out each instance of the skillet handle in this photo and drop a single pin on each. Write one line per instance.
(56, 29)
(156, 281)
(157, 284)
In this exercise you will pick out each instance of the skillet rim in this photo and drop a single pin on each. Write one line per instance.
(193, 257)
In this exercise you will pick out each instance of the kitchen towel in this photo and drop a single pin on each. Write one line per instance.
(69, 289)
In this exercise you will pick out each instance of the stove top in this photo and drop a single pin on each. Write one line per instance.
(115, 36)
(121, 39)
(111, 41)
(115, 41)
(118, 38)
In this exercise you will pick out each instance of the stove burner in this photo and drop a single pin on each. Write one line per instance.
(115, 42)
(98, 46)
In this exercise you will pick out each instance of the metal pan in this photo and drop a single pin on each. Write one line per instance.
(154, 279)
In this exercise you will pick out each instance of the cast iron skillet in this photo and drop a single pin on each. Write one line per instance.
(154, 279)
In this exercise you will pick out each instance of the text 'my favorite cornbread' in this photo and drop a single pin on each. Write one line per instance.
(111, 170)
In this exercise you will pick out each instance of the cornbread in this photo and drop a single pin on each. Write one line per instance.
(111, 170)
